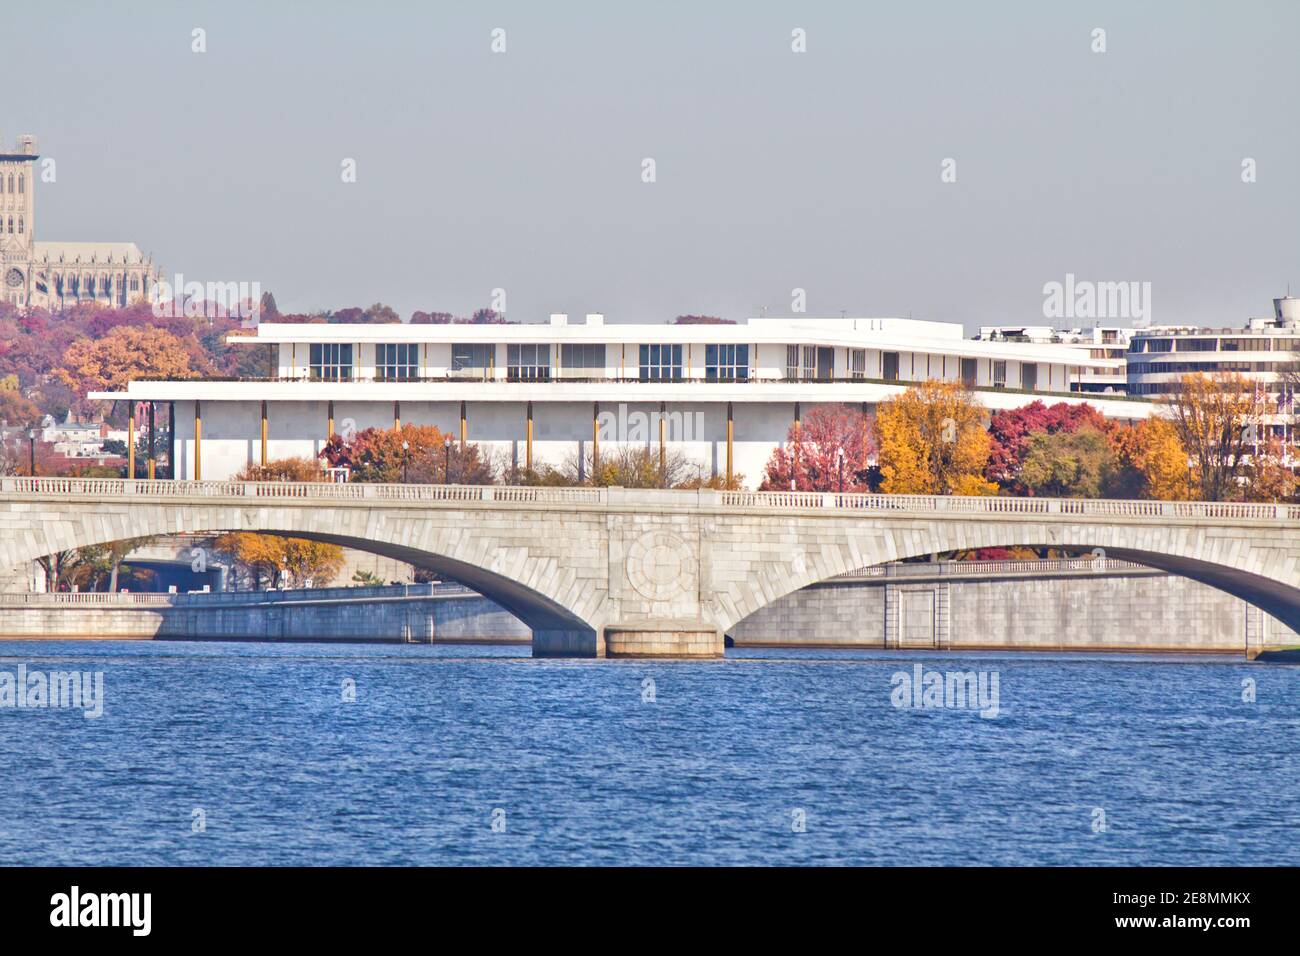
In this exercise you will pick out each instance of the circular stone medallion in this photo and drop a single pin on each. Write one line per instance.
(660, 566)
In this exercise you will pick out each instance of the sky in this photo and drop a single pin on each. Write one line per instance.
(774, 170)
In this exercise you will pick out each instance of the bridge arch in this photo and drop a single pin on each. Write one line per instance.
(1225, 562)
(563, 611)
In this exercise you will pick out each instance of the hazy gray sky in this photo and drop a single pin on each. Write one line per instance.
(775, 170)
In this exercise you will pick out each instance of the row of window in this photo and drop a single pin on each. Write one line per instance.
(528, 362)
(1148, 368)
(1270, 343)
(1173, 388)
(22, 183)
(11, 225)
(531, 362)
(73, 283)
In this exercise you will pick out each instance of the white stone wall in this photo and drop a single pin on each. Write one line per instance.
(1129, 611)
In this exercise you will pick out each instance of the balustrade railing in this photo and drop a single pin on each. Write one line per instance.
(1099, 565)
(650, 498)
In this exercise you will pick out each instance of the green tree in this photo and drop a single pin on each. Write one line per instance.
(1078, 464)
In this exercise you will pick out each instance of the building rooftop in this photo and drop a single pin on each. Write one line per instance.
(85, 253)
(890, 334)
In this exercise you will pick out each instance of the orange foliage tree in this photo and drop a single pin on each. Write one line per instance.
(378, 455)
(1218, 418)
(932, 442)
(263, 556)
(283, 469)
(123, 354)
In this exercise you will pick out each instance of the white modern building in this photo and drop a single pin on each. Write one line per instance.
(531, 394)
(1100, 342)
(1265, 350)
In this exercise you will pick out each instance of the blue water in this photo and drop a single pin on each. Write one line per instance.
(714, 770)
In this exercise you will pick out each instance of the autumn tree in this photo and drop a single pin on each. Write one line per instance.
(833, 445)
(1268, 475)
(932, 441)
(1217, 419)
(283, 469)
(1152, 462)
(16, 408)
(1069, 464)
(123, 354)
(262, 558)
(379, 455)
(1010, 431)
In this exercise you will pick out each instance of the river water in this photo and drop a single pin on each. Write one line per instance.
(252, 754)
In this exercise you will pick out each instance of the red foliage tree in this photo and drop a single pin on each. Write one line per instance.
(1010, 430)
(810, 456)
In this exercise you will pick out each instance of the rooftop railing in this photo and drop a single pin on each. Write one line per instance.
(365, 492)
(565, 379)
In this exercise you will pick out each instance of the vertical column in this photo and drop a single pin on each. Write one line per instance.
(329, 425)
(595, 438)
(171, 440)
(663, 442)
(153, 435)
(730, 435)
(464, 426)
(130, 441)
(397, 416)
(198, 440)
(263, 433)
(798, 425)
(528, 448)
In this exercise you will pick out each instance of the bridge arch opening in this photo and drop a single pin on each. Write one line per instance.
(556, 629)
(1275, 598)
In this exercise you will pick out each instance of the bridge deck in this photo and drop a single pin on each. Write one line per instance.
(363, 493)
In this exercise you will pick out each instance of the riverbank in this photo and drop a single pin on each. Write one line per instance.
(416, 613)
(1282, 655)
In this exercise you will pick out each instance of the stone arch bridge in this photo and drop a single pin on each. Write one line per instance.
(619, 572)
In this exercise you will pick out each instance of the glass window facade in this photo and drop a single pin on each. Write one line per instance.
(473, 358)
(857, 363)
(397, 362)
(726, 363)
(528, 363)
(583, 361)
(661, 363)
(331, 361)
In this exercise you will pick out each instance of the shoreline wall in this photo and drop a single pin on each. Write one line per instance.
(1076, 604)
(1072, 605)
(411, 613)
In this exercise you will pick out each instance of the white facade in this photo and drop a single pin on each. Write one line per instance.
(1266, 351)
(576, 378)
(1100, 342)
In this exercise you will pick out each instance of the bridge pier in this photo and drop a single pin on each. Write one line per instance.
(567, 642)
(647, 640)
(696, 641)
